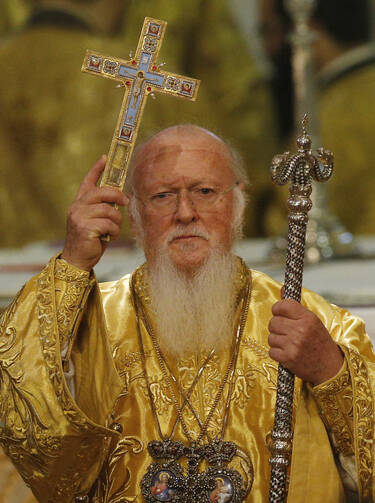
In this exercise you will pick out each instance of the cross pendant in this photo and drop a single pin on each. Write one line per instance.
(140, 76)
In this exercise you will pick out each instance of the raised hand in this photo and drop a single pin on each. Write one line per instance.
(89, 217)
(300, 341)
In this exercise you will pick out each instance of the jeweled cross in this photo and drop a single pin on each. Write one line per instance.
(140, 77)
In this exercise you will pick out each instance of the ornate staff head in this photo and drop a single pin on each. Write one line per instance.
(302, 167)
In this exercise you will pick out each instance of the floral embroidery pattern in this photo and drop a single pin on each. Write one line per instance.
(203, 394)
(160, 393)
(244, 385)
(48, 336)
(23, 435)
(105, 491)
(93, 443)
(364, 423)
(332, 399)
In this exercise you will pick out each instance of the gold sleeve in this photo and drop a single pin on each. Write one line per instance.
(335, 402)
(72, 288)
(57, 445)
(350, 411)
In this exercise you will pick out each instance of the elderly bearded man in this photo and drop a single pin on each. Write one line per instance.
(183, 353)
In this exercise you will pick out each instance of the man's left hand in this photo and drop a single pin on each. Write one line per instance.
(300, 341)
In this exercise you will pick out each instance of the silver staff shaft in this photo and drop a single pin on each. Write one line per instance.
(300, 169)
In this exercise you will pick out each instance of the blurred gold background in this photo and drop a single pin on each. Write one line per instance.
(55, 121)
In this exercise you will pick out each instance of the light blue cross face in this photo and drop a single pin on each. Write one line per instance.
(141, 77)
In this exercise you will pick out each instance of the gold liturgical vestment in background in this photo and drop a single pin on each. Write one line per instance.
(343, 107)
(56, 122)
(66, 447)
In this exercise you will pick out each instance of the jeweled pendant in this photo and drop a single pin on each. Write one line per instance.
(219, 485)
(164, 482)
(166, 479)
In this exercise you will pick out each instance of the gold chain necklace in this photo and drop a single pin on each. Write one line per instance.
(165, 479)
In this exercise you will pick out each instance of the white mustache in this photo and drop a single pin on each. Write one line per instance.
(193, 230)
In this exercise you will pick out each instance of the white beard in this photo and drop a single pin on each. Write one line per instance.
(194, 314)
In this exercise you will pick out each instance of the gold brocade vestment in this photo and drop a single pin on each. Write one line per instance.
(65, 447)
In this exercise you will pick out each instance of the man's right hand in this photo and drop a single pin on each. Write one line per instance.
(89, 217)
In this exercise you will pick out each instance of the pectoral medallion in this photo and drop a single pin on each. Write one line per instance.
(167, 480)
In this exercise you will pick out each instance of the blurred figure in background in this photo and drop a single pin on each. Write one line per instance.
(344, 59)
(13, 488)
(13, 15)
(56, 121)
(346, 63)
(50, 121)
(48, 124)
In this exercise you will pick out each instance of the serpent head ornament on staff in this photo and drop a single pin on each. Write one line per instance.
(303, 166)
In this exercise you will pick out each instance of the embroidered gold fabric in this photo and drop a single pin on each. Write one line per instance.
(354, 157)
(71, 286)
(64, 447)
(335, 401)
(363, 408)
(39, 423)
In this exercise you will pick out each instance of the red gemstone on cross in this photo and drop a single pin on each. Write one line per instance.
(154, 68)
(149, 89)
(134, 62)
(125, 132)
(127, 83)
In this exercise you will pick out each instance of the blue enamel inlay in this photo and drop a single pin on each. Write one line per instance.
(144, 61)
(155, 79)
(128, 71)
(151, 78)
(134, 104)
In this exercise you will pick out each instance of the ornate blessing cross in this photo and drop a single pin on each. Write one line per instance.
(140, 77)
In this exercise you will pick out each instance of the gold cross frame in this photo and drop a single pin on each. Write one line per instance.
(140, 76)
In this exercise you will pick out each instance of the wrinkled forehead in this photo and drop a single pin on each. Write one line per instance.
(168, 149)
(171, 153)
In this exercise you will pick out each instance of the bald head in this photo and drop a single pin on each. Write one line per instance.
(188, 135)
(183, 139)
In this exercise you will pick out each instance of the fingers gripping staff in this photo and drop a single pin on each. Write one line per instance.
(300, 169)
(140, 76)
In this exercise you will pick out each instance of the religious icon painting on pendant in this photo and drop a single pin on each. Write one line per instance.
(223, 491)
(160, 488)
(219, 484)
(164, 482)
